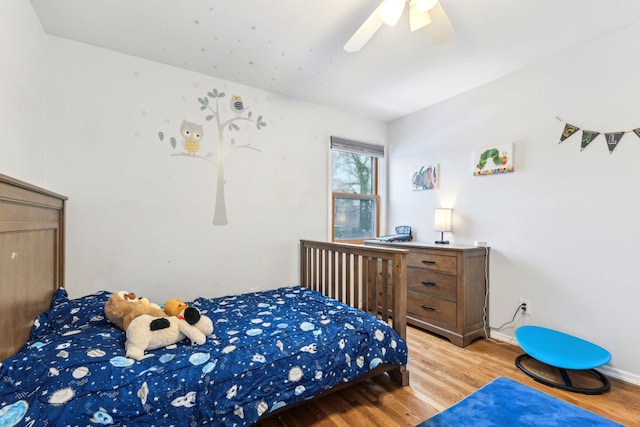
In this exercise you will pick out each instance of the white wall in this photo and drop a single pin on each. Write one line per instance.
(141, 219)
(22, 103)
(563, 228)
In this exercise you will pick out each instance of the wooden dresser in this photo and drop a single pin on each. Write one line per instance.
(446, 288)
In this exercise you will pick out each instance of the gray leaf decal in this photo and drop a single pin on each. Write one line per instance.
(161, 135)
(173, 142)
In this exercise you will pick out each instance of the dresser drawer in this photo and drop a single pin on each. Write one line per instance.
(431, 310)
(444, 263)
(431, 282)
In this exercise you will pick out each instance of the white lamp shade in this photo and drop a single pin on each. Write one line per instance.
(443, 219)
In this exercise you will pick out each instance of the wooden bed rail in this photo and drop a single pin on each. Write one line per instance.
(372, 279)
(357, 276)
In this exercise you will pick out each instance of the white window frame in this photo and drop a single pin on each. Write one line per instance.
(358, 147)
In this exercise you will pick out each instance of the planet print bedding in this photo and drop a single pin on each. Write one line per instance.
(269, 349)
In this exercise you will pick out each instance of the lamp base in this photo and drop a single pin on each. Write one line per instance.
(442, 241)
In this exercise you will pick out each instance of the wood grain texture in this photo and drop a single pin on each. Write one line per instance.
(446, 288)
(31, 257)
(354, 274)
(441, 375)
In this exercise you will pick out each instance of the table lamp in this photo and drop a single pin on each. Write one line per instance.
(442, 223)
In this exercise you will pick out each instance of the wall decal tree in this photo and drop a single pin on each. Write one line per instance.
(193, 134)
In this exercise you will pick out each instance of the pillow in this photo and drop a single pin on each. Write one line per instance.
(68, 313)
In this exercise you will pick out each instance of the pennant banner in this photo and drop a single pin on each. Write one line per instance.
(568, 131)
(612, 138)
(587, 137)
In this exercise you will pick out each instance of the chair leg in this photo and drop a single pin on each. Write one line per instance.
(567, 385)
(565, 377)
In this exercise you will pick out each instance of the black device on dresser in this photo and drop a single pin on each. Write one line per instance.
(402, 234)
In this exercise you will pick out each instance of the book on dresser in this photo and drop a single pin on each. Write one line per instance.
(447, 289)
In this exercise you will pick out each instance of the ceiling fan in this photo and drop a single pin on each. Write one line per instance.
(427, 14)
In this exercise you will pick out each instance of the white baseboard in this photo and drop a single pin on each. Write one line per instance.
(606, 369)
(503, 337)
(620, 374)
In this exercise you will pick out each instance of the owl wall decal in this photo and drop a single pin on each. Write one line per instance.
(192, 134)
(237, 106)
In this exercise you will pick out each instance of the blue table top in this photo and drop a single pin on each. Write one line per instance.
(559, 349)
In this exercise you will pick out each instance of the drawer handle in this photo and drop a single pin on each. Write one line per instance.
(424, 282)
(428, 307)
(426, 261)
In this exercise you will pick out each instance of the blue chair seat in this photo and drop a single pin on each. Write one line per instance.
(559, 349)
(562, 351)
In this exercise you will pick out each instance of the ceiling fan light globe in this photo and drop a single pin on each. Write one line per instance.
(391, 10)
(425, 5)
(418, 19)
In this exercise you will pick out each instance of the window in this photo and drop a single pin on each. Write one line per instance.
(355, 198)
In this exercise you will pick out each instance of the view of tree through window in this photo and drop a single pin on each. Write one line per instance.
(355, 198)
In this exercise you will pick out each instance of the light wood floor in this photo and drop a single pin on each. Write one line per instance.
(441, 375)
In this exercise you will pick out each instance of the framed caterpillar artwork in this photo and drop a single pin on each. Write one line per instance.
(493, 160)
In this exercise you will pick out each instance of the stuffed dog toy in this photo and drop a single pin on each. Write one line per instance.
(147, 332)
(122, 307)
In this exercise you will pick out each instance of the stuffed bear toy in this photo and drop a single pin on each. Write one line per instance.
(122, 307)
(148, 332)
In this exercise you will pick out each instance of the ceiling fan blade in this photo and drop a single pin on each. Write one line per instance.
(440, 29)
(365, 32)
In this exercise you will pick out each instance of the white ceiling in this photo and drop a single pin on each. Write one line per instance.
(294, 47)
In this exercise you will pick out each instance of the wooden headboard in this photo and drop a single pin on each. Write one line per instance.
(31, 257)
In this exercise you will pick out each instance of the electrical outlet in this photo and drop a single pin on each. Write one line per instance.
(528, 302)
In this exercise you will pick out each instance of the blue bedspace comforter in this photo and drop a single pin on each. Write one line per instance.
(269, 349)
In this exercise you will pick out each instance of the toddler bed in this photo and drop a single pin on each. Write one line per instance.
(270, 349)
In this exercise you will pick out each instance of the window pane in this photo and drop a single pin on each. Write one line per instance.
(352, 173)
(354, 218)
